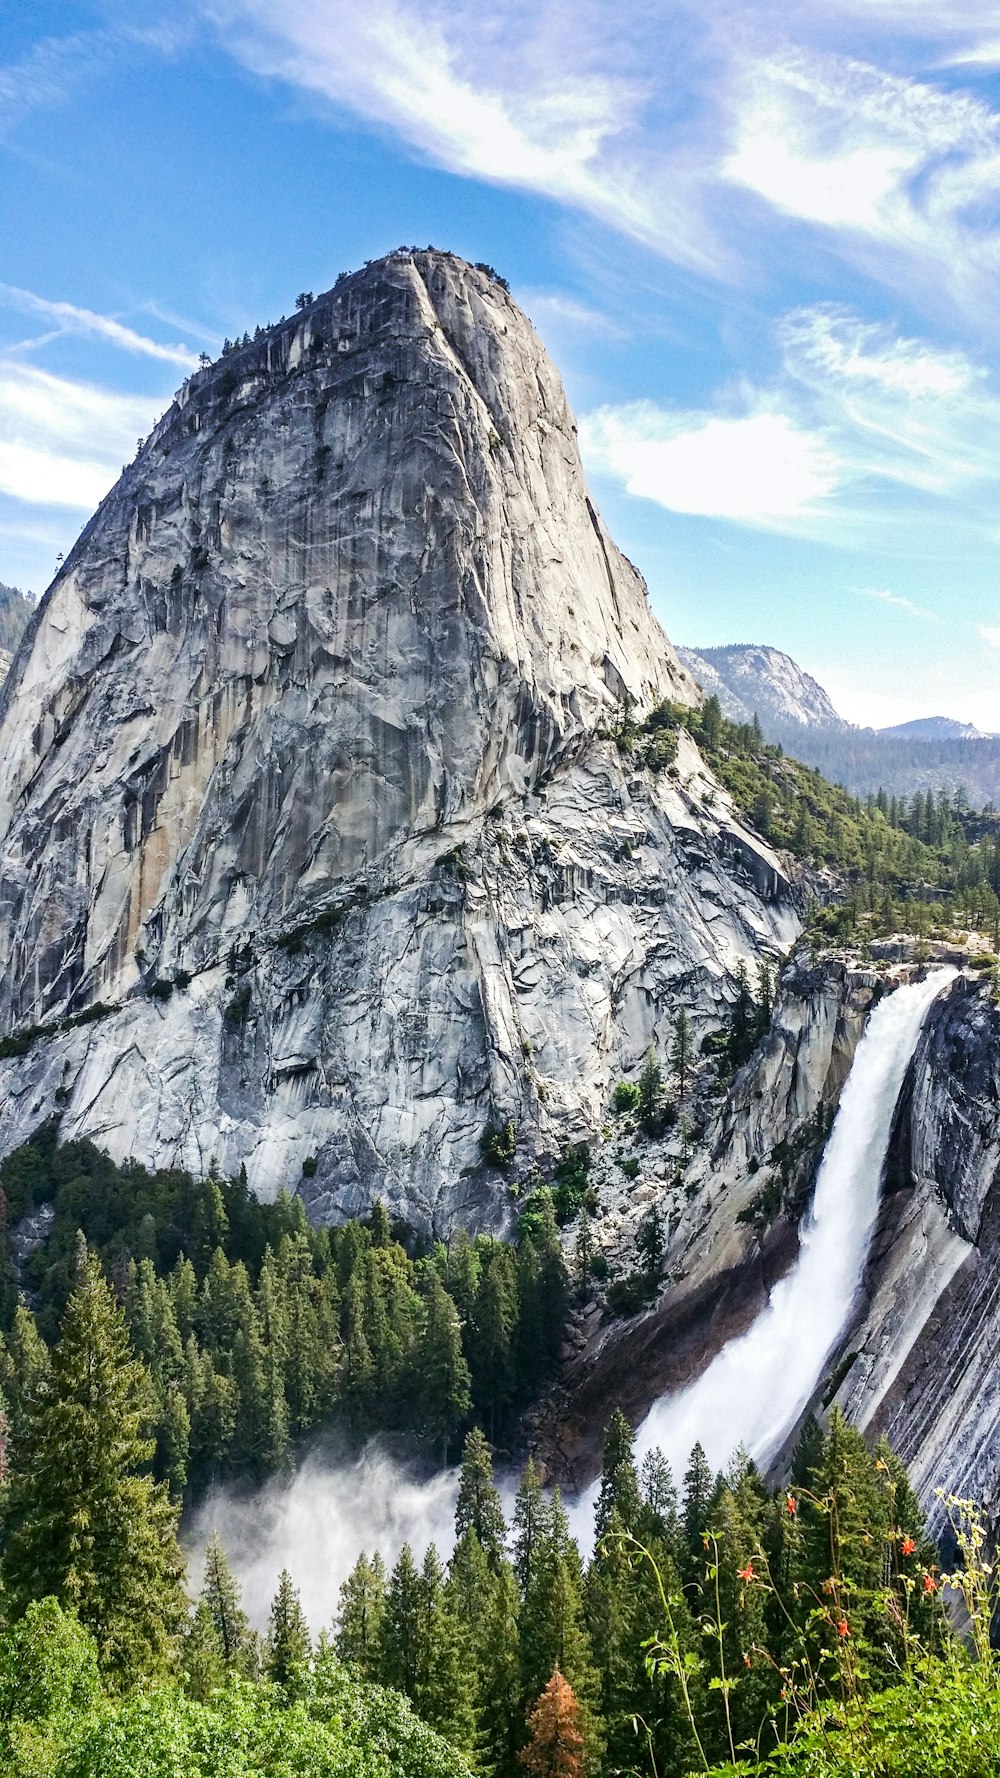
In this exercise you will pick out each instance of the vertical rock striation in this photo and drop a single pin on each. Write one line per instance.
(305, 775)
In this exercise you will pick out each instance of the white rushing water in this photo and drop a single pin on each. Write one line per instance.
(754, 1390)
(751, 1394)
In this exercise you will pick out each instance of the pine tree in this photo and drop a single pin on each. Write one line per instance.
(742, 1020)
(288, 1645)
(619, 1490)
(553, 1627)
(85, 1523)
(378, 1223)
(529, 1524)
(445, 1396)
(659, 1496)
(221, 1597)
(699, 1485)
(491, 1335)
(499, 1703)
(445, 1691)
(680, 1052)
(650, 1092)
(555, 1742)
(29, 1366)
(478, 1505)
(360, 1613)
(400, 1653)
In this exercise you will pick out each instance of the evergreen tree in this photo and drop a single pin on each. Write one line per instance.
(553, 1627)
(401, 1646)
(650, 1242)
(699, 1486)
(808, 1453)
(491, 1335)
(359, 1617)
(499, 1704)
(28, 1367)
(650, 1092)
(288, 1645)
(659, 1496)
(680, 1053)
(445, 1394)
(619, 1490)
(85, 1523)
(555, 1739)
(529, 1525)
(478, 1507)
(445, 1691)
(742, 1020)
(221, 1598)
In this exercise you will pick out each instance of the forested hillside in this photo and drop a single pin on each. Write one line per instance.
(713, 1626)
(904, 862)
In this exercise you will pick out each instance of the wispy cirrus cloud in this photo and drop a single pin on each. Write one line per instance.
(652, 123)
(899, 175)
(62, 443)
(885, 596)
(70, 318)
(545, 98)
(861, 428)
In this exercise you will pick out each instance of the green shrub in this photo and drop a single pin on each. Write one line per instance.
(627, 1296)
(498, 1144)
(625, 1096)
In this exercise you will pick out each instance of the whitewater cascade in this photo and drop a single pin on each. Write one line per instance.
(755, 1389)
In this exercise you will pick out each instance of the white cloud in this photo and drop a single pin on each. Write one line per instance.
(858, 429)
(546, 98)
(757, 467)
(62, 443)
(990, 633)
(899, 173)
(885, 597)
(551, 310)
(69, 318)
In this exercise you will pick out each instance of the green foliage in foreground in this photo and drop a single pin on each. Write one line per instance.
(938, 1716)
(57, 1721)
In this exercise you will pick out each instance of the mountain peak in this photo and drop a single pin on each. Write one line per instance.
(753, 678)
(317, 854)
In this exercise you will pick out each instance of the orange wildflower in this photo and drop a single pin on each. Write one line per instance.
(930, 1584)
(908, 1546)
(842, 1628)
(791, 1505)
(746, 1573)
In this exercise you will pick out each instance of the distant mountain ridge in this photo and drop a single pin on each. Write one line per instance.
(749, 678)
(935, 728)
(929, 753)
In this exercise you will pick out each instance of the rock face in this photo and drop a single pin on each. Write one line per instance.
(305, 777)
(925, 1355)
(747, 679)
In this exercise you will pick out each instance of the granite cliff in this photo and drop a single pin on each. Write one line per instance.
(316, 853)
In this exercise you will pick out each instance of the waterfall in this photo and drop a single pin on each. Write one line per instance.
(755, 1389)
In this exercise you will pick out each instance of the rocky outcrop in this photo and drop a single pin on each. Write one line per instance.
(315, 853)
(731, 1211)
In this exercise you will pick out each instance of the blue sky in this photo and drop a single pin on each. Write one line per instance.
(761, 240)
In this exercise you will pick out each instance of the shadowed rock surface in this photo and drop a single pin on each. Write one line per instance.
(305, 775)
